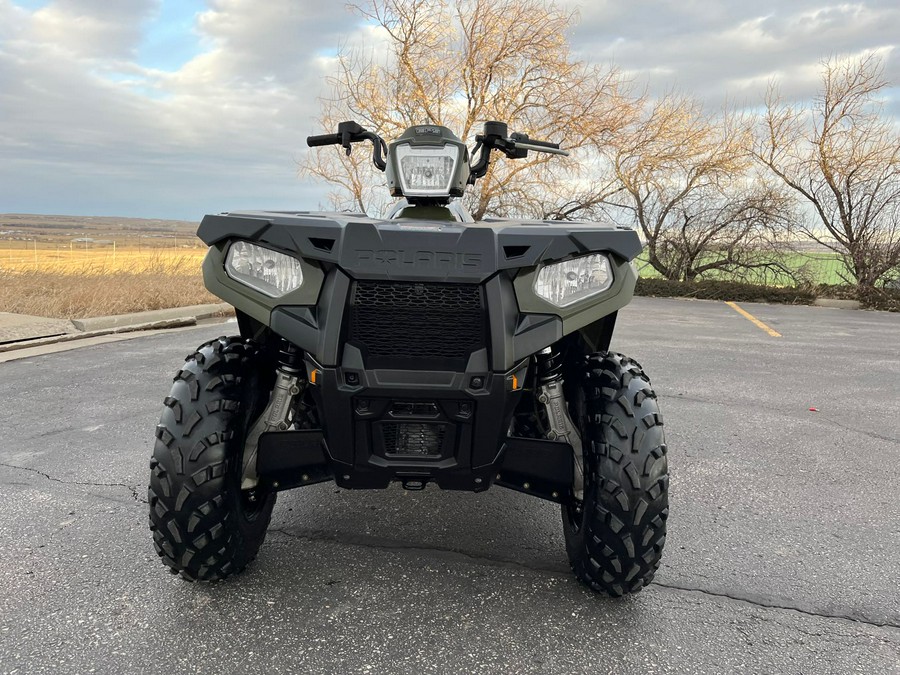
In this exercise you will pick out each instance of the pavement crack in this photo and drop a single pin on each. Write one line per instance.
(133, 490)
(561, 571)
(788, 608)
(781, 411)
(870, 434)
(107, 423)
(463, 556)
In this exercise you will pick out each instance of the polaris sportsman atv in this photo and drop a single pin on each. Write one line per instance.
(421, 348)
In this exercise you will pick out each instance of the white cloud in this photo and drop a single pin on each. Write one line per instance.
(85, 127)
(91, 28)
(720, 50)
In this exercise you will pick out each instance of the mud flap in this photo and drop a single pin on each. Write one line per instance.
(538, 467)
(289, 459)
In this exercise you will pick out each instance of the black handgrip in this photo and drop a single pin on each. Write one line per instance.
(324, 139)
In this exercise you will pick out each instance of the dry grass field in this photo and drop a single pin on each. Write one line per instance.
(110, 258)
(69, 281)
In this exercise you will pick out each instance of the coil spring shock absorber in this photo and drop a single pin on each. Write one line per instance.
(290, 361)
(549, 364)
(277, 414)
(290, 358)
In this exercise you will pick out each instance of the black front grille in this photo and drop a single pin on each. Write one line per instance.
(413, 439)
(431, 324)
(414, 409)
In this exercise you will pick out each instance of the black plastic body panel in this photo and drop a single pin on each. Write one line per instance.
(462, 407)
(541, 468)
(367, 248)
(318, 330)
(476, 420)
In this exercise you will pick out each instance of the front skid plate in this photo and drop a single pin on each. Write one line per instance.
(542, 468)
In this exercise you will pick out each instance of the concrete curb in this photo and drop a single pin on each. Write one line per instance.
(40, 342)
(175, 317)
(836, 303)
(195, 312)
(17, 327)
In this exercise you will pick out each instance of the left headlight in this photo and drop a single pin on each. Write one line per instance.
(565, 283)
(268, 271)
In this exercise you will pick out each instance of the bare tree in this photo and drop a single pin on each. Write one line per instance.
(842, 158)
(459, 63)
(686, 181)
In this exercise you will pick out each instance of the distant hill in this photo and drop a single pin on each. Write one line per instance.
(54, 227)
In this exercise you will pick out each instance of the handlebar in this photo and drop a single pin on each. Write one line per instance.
(515, 146)
(351, 132)
(494, 137)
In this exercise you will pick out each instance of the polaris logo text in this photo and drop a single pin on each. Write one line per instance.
(420, 259)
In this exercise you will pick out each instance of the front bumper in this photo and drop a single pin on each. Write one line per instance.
(418, 418)
(439, 426)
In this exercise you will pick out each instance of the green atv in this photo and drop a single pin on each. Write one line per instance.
(420, 348)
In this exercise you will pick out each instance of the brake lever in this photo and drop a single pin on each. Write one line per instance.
(540, 148)
(521, 141)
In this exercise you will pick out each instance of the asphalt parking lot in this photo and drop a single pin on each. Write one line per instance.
(783, 553)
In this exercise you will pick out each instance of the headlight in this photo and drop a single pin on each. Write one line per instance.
(426, 171)
(268, 271)
(565, 283)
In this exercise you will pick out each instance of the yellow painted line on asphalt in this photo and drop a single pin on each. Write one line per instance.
(752, 319)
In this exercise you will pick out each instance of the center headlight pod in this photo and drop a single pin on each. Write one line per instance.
(427, 170)
(269, 272)
(565, 283)
(427, 161)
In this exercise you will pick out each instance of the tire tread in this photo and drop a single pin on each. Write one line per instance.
(618, 547)
(192, 502)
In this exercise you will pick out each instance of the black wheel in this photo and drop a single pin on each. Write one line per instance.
(204, 527)
(615, 536)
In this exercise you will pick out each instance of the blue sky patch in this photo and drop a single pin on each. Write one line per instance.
(32, 5)
(169, 40)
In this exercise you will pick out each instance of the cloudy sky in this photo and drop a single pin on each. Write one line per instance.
(176, 108)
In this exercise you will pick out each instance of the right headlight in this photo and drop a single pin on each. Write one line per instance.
(268, 271)
(565, 283)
